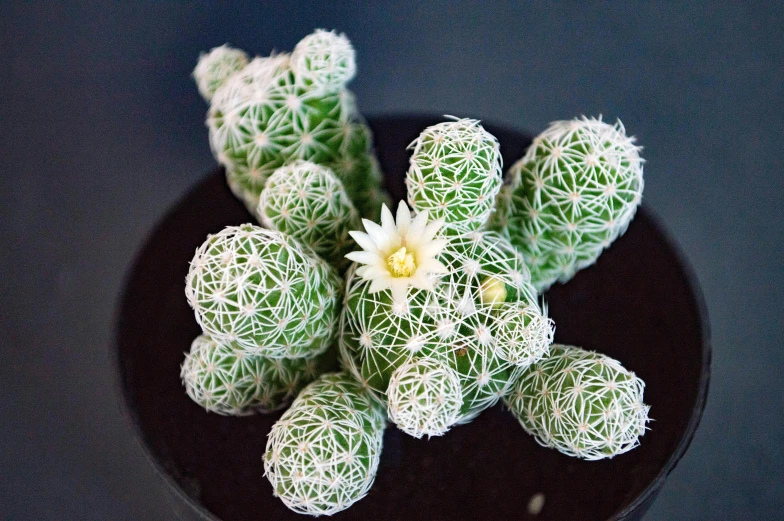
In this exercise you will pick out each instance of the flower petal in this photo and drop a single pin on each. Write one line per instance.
(377, 233)
(432, 266)
(414, 234)
(431, 230)
(399, 289)
(364, 257)
(364, 241)
(403, 219)
(430, 249)
(380, 283)
(387, 221)
(421, 280)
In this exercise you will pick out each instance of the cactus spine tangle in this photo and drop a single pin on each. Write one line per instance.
(455, 173)
(573, 193)
(325, 59)
(228, 381)
(583, 404)
(322, 455)
(424, 397)
(264, 292)
(307, 201)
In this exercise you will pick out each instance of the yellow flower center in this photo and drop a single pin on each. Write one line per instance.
(401, 263)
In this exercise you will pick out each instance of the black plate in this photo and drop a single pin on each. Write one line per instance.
(638, 304)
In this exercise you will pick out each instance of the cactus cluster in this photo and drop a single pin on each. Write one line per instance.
(438, 317)
(270, 111)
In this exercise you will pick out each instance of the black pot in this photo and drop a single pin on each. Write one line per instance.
(639, 304)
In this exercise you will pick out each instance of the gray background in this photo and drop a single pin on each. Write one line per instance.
(102, 130)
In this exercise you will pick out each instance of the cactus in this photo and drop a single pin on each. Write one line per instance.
(263, 292)
(455, 173)
(215, 67)
(573, 193)
(323, 453)
(307, 201)
(424, 397)
(581, 403)
(228, 381)
(523, 335)
(282, 108)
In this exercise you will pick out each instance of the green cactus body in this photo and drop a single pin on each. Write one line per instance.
(455, 173)
(280, 109)
(215, 67)
(573, 193)
(229, 381)
(323, 453)
(263, 292)
(583, 404)
(424, 397)
(452, 323)
(307, 201)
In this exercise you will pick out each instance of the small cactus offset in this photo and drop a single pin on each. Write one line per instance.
(323, 453)
(263, 292)
(572, 194)
(215, 67)
(581, 403)
(307, 201)
(278, 109)
(455, 173)
(228, 381)
(424, 397)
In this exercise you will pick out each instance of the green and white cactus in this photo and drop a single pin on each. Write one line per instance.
(323, 453)
(424, 397)
(455, 173)
(307, 201)
(283, 108)
(572, 194)
(583, 404)
(263, 292)
(226, 380)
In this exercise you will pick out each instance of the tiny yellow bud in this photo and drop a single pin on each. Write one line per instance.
(493, 291)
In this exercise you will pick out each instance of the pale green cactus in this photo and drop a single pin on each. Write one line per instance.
(279, 109)
(227, 380)
(424, 397)
(523, 335)
(404, 303)
(215, 67)
(264, 292)
(323, 453)
(455, 173)
(573, 193)
(583, 404)
(307, 201)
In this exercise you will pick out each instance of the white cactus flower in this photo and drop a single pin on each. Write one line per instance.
(399, 255)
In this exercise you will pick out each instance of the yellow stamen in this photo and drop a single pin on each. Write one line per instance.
(401, 264)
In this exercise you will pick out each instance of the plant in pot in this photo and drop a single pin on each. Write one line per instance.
(422, 319)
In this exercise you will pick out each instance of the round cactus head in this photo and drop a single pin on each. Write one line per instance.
(227, 380)
(439, 298)
(307, 201)
(215, 67)
(424, 397)
(325, 59)
(523, 335)
(455, 173)
(573, 193)
(264, 292)
(322, 455)
(583, 404)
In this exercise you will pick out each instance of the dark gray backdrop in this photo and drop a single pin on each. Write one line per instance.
(102, 130)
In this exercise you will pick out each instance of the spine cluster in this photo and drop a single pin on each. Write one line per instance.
(455, 173)
(264, 292)
(572, 194)
(323, 454)
(226, 380)
(307, 201)
(581, 403)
